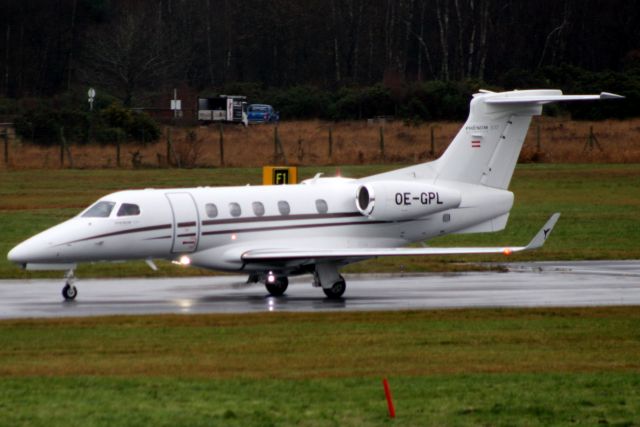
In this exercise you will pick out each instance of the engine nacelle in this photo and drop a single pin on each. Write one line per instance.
(398, 200)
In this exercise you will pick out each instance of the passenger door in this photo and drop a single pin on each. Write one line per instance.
(186, 224)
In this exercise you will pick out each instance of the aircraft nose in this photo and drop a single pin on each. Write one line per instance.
(18, 254)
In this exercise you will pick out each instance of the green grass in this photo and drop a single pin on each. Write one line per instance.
(478, 399)
(600, 206)
(452, 367)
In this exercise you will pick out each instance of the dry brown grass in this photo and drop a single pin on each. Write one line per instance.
(354, 142)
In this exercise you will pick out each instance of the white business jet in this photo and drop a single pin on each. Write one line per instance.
(319, 225)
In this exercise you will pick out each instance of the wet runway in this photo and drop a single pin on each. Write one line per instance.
(543, 284)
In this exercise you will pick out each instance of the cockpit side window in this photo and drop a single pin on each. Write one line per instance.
(99, 210)
(128, 209)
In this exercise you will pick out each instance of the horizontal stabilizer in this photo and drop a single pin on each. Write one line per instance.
(339, 254)
(514, 98)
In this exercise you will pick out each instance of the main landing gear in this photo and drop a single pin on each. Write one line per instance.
(325, 276)
(69, 291)
(336, 290)
(332, 283)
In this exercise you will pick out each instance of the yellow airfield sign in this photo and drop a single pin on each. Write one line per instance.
(277, 175)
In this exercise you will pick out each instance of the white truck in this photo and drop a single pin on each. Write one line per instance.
(224, 108)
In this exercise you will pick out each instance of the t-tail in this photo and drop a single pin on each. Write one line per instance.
(486, 149)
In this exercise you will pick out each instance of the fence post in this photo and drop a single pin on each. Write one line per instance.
(5, 135)
(381, 142)
(169, 148)
(61, 137)
(278, 150)
(221, 145)
(64, 147)
(330, 143)
(118, 149)
(275, 143)
(300, 150)
(538, 137)
(432, 151)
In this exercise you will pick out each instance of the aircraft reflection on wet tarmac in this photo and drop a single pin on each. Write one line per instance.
(525, 285)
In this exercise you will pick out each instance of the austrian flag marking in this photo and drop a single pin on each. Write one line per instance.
(475, 143)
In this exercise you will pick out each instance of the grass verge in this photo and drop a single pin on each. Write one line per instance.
(460, 400)
(451, 367)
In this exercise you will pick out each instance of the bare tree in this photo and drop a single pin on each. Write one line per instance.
(556, 34)
(442, 12)
(129, 55)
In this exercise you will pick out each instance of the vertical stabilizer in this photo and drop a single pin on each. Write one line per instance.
(486, 149)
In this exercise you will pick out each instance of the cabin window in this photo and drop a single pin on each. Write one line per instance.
(321, 206)
(99, 210)
(234, 209)
(284, 208)
(446, 217)
(211, 210)
(258, 208)
(128, 209)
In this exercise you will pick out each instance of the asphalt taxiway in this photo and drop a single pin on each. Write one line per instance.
(543, 284)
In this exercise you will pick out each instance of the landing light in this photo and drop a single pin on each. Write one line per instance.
(184, 304)
(184, 260)
(234, 236)
(507, 251)
(271, 278)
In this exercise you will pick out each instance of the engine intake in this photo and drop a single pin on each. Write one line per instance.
(399, 200)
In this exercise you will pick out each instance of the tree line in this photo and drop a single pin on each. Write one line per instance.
(138, 45)
(323, 58)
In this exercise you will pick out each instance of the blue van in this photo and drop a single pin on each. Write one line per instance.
(262, 113)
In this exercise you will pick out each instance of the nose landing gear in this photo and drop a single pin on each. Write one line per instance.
(69, 291)
(276, 286)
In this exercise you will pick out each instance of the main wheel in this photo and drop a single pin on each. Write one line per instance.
(336, 291)
(69, 292)
(278, 286)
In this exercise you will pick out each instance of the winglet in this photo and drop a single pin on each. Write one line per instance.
(539, 239)
(609, 95)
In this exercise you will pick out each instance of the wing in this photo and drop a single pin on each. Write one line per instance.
(259, 255)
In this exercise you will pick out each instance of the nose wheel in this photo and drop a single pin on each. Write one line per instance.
(277, 285)
(69, 291)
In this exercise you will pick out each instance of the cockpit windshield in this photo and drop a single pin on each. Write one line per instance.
(99, 210)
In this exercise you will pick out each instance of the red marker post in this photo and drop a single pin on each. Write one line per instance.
(387, 393)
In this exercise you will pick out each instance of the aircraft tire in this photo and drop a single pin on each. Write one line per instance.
(278, 287)
(69, 292)
(336, 290)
